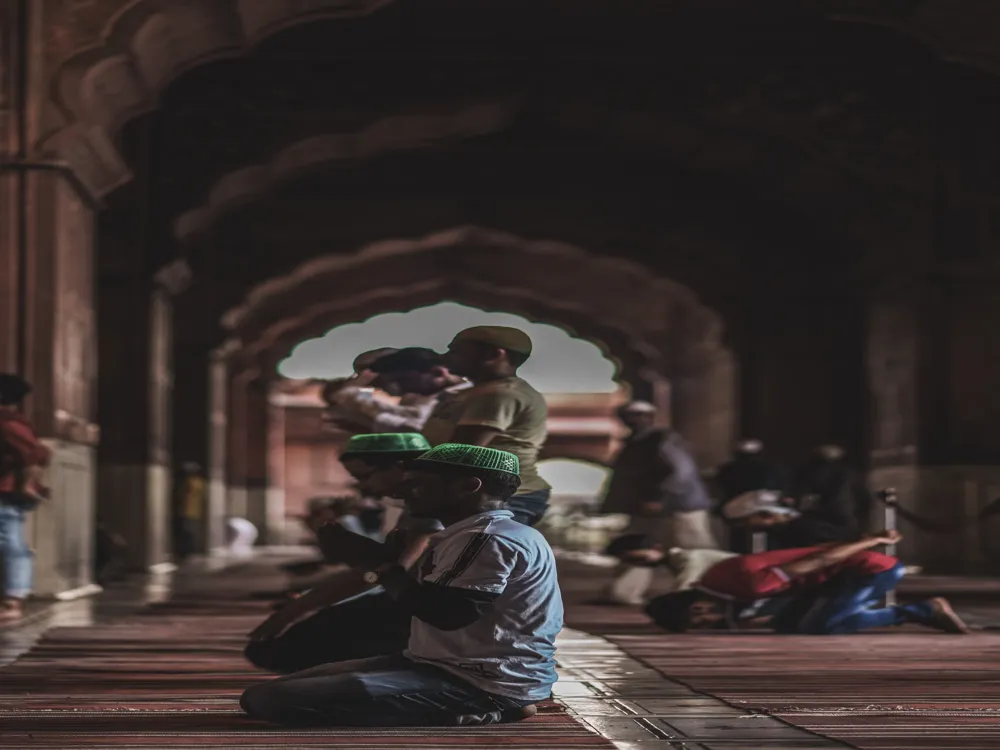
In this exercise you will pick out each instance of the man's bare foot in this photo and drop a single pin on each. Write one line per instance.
(944, 618)
(11, 609)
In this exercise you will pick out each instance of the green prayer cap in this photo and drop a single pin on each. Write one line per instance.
(384, 443)
(470, 457)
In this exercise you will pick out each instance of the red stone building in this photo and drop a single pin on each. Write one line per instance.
(787, 211)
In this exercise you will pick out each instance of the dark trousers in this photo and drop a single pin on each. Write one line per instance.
(385, 691)
(848, 603)
(529, 507)
(362, 627)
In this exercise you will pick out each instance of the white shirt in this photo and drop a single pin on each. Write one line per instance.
(509, 650)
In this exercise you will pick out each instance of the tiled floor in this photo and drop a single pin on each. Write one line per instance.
(637, 708)
(634, 705)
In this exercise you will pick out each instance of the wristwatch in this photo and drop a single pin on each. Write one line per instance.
(372, 577)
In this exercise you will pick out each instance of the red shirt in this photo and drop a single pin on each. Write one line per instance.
(746, 578)
(19, 447)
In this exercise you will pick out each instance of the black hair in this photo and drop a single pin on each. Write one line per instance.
(628, 543)
(411, 359)
(383, 460)
(499, 484)
(13, 389)
(673, 611)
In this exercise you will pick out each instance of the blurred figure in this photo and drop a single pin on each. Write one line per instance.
(832, 499)
(748, 471)
(190, 495)
(240, 537)
(656, 482)
(423, 381)
(349, 399)
(22, 456)
(343, 618)
(110, 555)
(500, 410)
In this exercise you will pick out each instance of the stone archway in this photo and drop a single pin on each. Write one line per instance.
(663, 331)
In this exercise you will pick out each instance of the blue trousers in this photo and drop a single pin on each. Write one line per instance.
(529, 507)
(18, 559)
(384, 691)
(849, 603)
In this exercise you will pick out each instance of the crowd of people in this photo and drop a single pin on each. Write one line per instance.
(434, 601)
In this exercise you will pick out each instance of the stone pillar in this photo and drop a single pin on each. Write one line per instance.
(218, 437)
(236, 443)
(276, 476)
(704, 407)
(134, 473)
(257, 436)
(58, 347)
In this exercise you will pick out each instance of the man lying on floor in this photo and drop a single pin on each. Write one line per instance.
(486, 610)
(344, 617)
(824, 590)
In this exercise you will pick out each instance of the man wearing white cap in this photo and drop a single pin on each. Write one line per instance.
(657, 482)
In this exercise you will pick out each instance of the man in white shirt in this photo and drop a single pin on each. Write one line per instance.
(416, 375)
(486, 610)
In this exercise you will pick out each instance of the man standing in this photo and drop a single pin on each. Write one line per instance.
(500, 410)
(190, 493)
(486, 610)
(21, 455)
(656, 481)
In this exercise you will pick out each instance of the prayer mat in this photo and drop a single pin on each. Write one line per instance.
(170, 676)
(893, 689)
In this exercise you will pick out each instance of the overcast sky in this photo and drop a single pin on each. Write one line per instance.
(559, 364)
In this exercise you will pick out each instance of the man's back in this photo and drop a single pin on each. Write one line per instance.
(510, 650)
(513, 408)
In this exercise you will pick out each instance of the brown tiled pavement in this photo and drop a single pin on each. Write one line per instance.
(646, 690)
(904, 689)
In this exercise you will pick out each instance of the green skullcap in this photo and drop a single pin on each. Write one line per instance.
(387, 442)
(470, 457)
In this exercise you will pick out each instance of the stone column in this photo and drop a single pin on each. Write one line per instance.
(218, 438)
(703, 398)
(134, 472)
(58, 347)
(256, 439)
(276, 476)
(236, 442)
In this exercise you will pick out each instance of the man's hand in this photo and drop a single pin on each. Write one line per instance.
(355, 550)
(888, 537)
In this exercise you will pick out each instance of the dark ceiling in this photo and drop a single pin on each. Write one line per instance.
(868, 97)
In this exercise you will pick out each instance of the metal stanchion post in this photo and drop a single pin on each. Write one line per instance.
(889, 498)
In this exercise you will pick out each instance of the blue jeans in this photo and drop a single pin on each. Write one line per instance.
(18, 559)
(529, 507)
(848, 603)
(384, 691)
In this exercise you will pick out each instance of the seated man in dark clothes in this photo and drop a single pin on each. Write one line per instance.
(344, 617)
(486, 610)
(825, 590)
(832, 499)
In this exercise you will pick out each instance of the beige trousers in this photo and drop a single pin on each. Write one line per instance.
(685, 530)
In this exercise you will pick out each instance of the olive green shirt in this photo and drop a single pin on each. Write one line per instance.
(508, 405)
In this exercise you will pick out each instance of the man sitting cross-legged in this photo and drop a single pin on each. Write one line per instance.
(486, 610)
(825, 590)
(345, 617)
